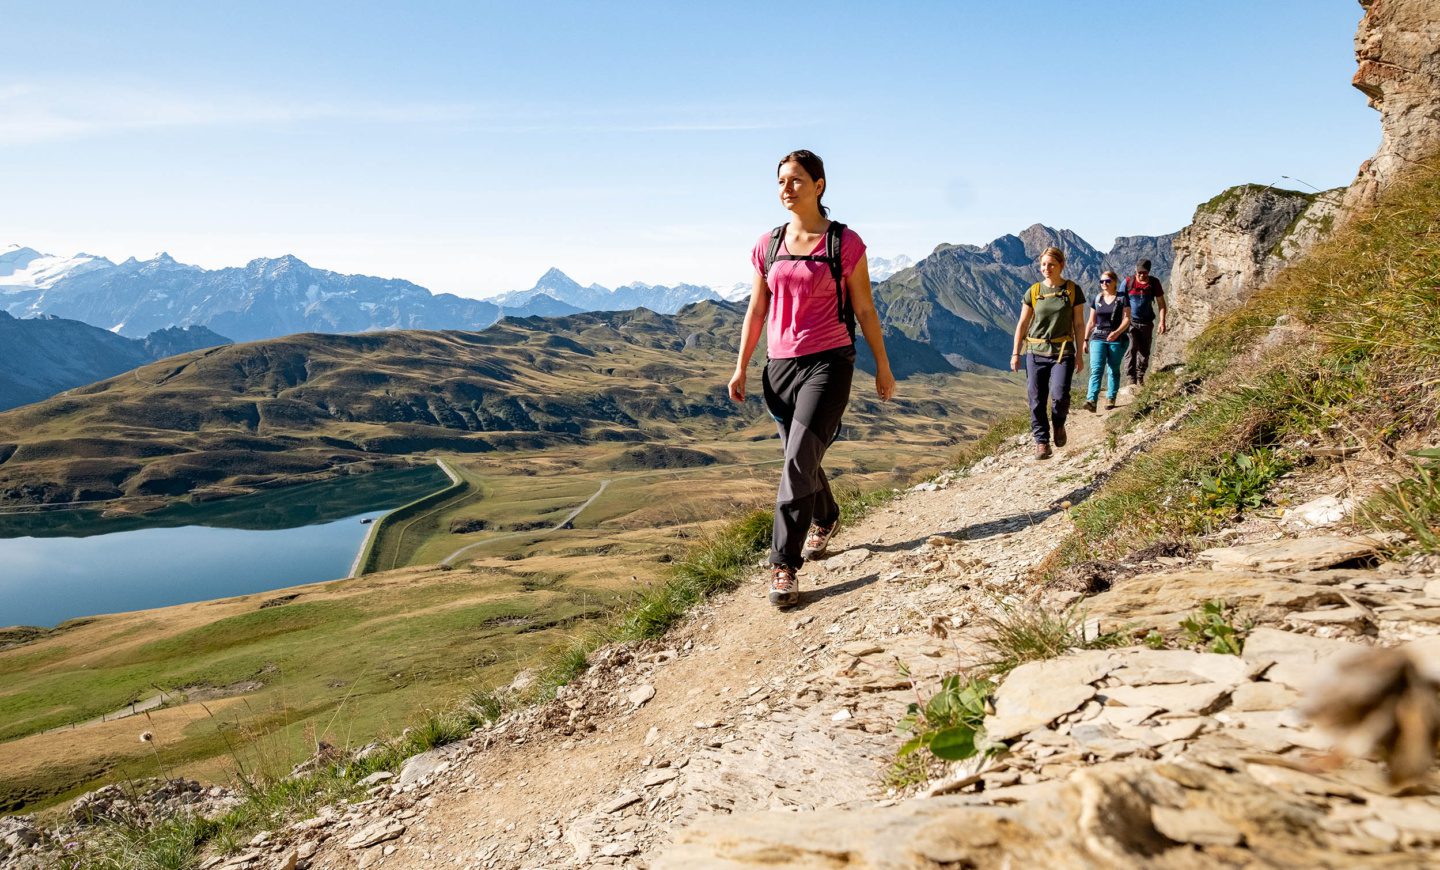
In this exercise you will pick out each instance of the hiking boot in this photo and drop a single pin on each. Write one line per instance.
(1042, 451)
(784, 586)
(1090, 405)
(1109, 404)
(1059, 436)
(818, 540)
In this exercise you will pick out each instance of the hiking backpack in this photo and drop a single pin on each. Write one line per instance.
(832, 257)
(1070, 290)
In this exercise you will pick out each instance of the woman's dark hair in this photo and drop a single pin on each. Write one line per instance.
(813, 166)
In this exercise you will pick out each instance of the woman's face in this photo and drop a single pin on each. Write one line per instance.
(797, 188)
(1049, 266)
(1107, 285)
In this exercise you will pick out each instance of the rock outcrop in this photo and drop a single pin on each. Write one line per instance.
(1398, 51)
(1244, 236)
(1237, 241)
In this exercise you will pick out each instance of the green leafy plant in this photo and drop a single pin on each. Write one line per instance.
(950, 723)
(1214, 628)
(1241, 480)
(1154, 639)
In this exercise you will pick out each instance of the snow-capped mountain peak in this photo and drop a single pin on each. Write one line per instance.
(27, 268)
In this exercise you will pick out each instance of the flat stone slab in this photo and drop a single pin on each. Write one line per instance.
(1263, 696)
(1037, 693)
(1194, 825)
(379, 832)
(1197, 698)
(427, 764)
(1295, 659)
(1291, 555)
(1212, 667)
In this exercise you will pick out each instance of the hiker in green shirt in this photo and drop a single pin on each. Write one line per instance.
(1052, 319)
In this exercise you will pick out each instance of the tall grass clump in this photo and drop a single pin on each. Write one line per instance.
(1412, 505)
(1341, 348)
(1016, 635)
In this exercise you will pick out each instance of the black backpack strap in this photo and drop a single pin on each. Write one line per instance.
(834, 236)
(777, 236)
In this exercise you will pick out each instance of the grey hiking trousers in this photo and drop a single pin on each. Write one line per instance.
(807, 396)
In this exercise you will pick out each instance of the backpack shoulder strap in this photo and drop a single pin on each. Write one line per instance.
(1034, 294)
(1073, 290)
(834, 237)
(777, 236)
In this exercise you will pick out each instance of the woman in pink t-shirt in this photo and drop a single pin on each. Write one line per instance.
(809, 325)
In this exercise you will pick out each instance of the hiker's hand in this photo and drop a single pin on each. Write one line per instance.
(1161, 329)
(737, 386)
(885, 385)
(1014, 362)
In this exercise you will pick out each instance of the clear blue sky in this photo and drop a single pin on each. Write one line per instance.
(470, 146)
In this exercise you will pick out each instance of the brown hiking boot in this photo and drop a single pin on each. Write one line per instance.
(1090, 405)
(818, 541)
(1109, 404)
(1042, 451)
(1059, 436)
(784, 587)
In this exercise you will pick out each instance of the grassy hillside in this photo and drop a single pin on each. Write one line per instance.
(1335, 357)
(256, 415)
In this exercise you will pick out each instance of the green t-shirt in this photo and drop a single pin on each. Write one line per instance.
(1052, 329)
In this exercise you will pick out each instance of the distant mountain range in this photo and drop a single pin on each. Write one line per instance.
(955, 307)
(47, 355)
(558, 286)
(267, 298)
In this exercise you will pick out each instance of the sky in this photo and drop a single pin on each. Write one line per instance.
(471, 146)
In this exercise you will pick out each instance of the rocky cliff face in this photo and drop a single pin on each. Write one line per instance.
(1236, 242)
(1244, 236)
(1398, 51)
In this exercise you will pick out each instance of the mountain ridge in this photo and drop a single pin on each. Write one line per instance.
(47, 355)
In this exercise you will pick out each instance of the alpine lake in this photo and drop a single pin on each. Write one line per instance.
(61, 565)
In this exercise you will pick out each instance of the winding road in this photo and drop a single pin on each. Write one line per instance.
(541, 533)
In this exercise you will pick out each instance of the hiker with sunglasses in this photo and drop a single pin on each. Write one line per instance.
(812, 285)
(1146, 297)
(1047, 336)
(1105, 331)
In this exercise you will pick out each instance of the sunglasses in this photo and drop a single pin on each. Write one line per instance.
(1106, 281)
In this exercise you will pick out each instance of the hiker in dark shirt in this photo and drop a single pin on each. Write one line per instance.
(1049, 331)
(1146, 296)
(1105, 330)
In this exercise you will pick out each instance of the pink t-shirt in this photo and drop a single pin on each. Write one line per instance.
(804, 308)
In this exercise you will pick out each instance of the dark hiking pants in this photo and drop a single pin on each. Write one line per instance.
(1048, 382)
(807, 396)
(1137, 361)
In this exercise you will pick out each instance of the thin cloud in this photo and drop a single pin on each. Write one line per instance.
(32, 113)
(42, 112)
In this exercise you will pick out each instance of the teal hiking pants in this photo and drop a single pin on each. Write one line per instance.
(1105, 357)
